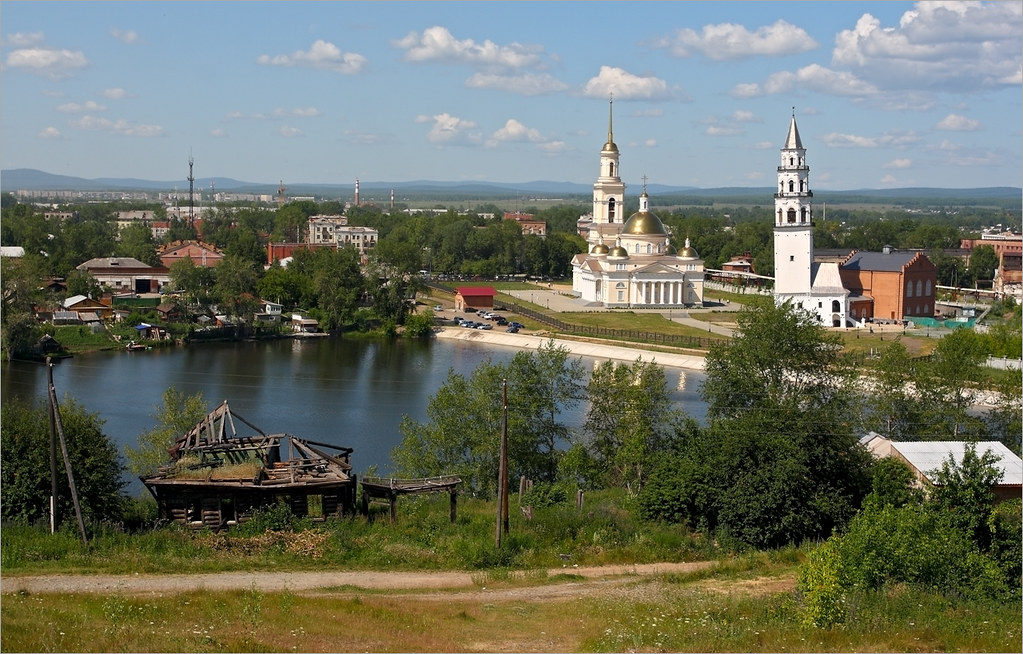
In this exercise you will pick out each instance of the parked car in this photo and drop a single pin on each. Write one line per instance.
(502, 322)
(484, 325)
(469, 310)
(438, 307)
(468, 324)
(512, 330)
(516, 323)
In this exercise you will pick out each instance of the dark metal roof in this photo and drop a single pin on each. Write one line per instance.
(879, 261)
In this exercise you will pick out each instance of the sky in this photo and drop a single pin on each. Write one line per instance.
(885, 94)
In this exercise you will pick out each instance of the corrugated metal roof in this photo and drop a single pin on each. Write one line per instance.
(892, 262)
(928, 456)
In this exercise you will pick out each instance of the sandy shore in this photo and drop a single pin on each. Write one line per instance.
(580, 348)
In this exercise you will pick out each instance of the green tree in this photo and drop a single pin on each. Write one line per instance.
(25, 441)
(947, 386)
(339, 284)
(779, 461)
(629, 417)
(178, 414)
(197, 282)
(235, 286)
(894, 409)
(983, 262)
(136, 241)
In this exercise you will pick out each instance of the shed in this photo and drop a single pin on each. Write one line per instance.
(925, 459)
(216, 478)
(474, 297)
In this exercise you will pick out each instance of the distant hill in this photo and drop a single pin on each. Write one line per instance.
(37, 180)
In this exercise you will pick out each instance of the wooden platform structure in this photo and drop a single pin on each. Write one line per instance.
(216, 478)
(386, 488)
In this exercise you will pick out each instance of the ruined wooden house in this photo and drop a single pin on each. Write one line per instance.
(216, 478)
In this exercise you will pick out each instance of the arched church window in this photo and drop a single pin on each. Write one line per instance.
(792, 215)
(836, 306)
(802, 214)
(611, 169)
(792, 186)
(909, 289)
(649, 248)
(802, 185)
(611, 210)
(919, 288)
(779, 216)
(791, 160)
(928, 288)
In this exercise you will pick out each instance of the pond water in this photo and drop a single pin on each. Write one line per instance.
(338, 391)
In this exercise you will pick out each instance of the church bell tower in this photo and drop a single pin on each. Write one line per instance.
(608, 190)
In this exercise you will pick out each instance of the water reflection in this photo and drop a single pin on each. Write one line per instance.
(343, 392)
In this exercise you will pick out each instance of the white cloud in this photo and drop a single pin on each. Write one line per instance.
(50, 133)
(626, 86)
(650, 112)
(740, 116)
(764, 145)
(76, 108)
(448, 129)
(812, 78)
(527, 84)
(898, 163)
(891, 138)
(322, 55)
(553, 147)
(946, 46)
(957, 123)
(127, 37)
(722, 130)
(23, 39)
(515, 132)
(52, 63)
(438, 44)
(728, 41)
(218, 133)
(114, 93)
(119, 126)
(290, 132)
(650, 143)
(888, 180)
(297, 112)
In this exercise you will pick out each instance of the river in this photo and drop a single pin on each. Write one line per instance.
(345, 392)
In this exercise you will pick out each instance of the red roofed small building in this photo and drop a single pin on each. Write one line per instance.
(475, 297)
(201, 254)
(528, 224)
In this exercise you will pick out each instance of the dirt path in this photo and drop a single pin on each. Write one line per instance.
(327, 581)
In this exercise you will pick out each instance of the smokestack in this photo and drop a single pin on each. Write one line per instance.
(392, 199)
(356, 192)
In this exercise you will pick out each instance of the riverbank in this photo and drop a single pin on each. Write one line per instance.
(594, 349)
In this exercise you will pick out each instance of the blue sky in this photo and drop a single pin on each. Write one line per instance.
(886, 94)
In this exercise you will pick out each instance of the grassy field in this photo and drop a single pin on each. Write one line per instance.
(747, 603)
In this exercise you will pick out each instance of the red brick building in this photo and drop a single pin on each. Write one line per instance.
(1009, 248)
(889, 285)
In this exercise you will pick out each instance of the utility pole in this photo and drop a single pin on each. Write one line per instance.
(53, 453)
(502, 472)
(55, 415)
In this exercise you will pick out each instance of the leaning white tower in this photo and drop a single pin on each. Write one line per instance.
(793, 223)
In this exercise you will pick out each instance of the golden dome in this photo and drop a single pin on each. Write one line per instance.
(619, 251)
(644, 223)
(688, 252)
(599, 249)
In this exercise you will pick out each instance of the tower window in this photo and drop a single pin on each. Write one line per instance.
(792, 215)
(611, 210)
(792, 186)
(802, 214)
(836, 306)
(611, 169)
(792, 257)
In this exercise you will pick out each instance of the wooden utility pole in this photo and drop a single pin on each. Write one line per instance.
(53, 453)
(55, 416)
(502, 472)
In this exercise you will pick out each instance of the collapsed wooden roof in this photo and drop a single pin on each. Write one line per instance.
(213, 454)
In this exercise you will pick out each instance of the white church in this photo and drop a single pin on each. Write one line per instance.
(630, 262)
(814, 287)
